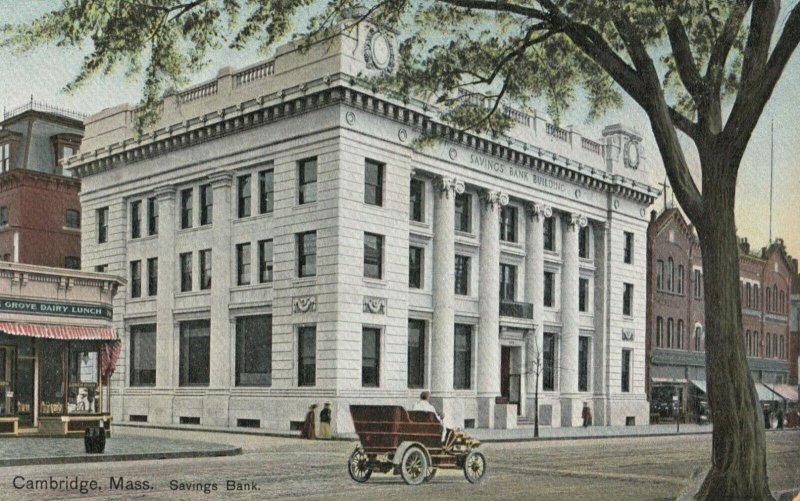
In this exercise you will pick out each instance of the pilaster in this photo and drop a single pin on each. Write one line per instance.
(535, 213)
(570, 325)
(167, 262)
(221, 361)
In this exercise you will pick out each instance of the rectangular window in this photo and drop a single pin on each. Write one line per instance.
(373, 255)
(462, 373)
(508, 224)
(508, 279)
(143, 355)
(244, 193)
(265, 261)
(102, 225)
(307, 356)
(254, 350)
(370, 356)
(136, 278)
(3, 216)
(152, 276)
(84, 376)
(205, 269)
(583, 242)
(627, 300)
(72, 262)
(583, 294)
(373, 182)
(463, 216)
(698, 285)
(152, 216)
(549, 286)
(583, 363)
(417, 201)
(266, 191)
(136, 219)
(5, 157)
(548, 361)
(186, 271)
(186, 208)
(73, 219)
(206, 204)
(416, 353)
(243, 264)
(195, 351)
(307, 254)
(549, 234)
(659, 275)
(415, 258)
(626, 371)
(101, 268)
(307, 181)
(461, 280)
(628, 256)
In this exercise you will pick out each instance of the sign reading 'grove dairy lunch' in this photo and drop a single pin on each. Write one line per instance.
(60, 309)
(517, 174)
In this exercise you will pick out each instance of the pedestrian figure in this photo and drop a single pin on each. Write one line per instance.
(310, 425)
(325, 422)
(586, 414)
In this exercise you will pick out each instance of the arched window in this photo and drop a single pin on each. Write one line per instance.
(774, 345)
(670, 333)
(749, 343)
(698, 332)
(782, 348)
(680, 330)
(769, 299)
(680, 279)
(756, 344)
(781, 303)
(659, 331)
(774, 298)
(768, 347)
(670, 274)
(755, 296)
(748, 295)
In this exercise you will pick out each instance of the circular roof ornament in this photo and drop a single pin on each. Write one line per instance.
(632, 154)
(379, 51)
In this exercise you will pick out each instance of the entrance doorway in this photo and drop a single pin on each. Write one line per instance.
(24, 390)
(510, 379)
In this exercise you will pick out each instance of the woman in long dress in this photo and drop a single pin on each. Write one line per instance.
(325, 422)
(310, 425)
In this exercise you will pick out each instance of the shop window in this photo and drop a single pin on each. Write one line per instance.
(266, 191)
(73, 219)
(194, 353)
(370, 356)
(462, 367)
(52, 378)
(6, 380)
(143, 355)
(84, 378)
(307, 355)
(416, 353)
(206, 205)
(254, 350)
(307, 181)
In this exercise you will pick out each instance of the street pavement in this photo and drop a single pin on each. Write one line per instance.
(285, 468)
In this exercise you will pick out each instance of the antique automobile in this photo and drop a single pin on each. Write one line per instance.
(410, 443)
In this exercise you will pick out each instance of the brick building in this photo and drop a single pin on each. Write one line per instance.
(676, 319)
(794, 327)
(39, 205)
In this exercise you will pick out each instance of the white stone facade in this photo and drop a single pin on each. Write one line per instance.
(300, 106)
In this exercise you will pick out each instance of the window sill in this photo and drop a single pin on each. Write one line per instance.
(419, 224)
(183, 231)
(143, 299)
(304, 280)
(307, 205)
(71, 229)
(465, 234)
(253, 217)
(376, 282)
(142, 239)
(202, 292)
(248, 287)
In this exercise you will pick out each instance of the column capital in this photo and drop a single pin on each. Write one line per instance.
(536, 210)
(573, 219)
(165, 192)
(221, 179)
(492, 198)
(448, 185)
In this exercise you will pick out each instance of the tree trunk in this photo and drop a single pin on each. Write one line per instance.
(739, 456)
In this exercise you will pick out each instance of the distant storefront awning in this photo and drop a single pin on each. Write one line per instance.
(766, 395)
(65, 332)
(700, 384)
(786, 391)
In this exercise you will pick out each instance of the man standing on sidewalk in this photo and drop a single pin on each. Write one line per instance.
(586, 414)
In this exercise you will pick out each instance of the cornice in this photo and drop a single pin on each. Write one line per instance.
(329, 91)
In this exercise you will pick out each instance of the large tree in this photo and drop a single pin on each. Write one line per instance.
(702, 71)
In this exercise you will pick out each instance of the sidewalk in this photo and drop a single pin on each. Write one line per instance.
(18, 451)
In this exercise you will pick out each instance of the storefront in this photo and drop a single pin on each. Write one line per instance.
(58, 349)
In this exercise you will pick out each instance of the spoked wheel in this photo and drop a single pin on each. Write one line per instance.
(357, 466)
(414, 466)
(431, 474)
(474, 467)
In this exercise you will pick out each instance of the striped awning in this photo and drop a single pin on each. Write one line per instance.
(66, 332)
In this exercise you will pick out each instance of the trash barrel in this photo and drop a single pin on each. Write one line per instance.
(95, 440)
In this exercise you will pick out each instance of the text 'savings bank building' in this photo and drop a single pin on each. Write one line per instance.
(285, 244)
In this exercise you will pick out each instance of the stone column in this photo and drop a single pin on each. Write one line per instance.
(489, 306)
(570, 325)
(534, 288)
(442, 327)
(166, 359)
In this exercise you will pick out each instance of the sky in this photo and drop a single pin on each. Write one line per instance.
(43, 73)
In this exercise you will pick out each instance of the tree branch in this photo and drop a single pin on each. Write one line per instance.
(762, 25)
(684, 124)
(499, 6)
(684, 59)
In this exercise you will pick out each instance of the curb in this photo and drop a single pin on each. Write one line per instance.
(600, 437)
(106, 458)
(231, 431)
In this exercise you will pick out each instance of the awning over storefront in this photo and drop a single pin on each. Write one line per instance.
(786, 391)
(765, 394)
(65, 332)
(700, 383)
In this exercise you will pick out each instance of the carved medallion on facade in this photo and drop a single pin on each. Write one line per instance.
(304, 304)
(375, 305)
(379, 51)
(627, 334)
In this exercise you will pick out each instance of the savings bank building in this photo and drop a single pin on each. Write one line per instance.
(286, 243)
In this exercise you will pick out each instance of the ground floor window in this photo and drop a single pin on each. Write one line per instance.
(416, 353)
(626, 371)
(583, 363)
(254, 350)
(462, 373)
(370, 356)
(6, 380)
(195, 352)
(52, 360)
(548, 361)
(307, 355)
(84, 378)
(143, 355)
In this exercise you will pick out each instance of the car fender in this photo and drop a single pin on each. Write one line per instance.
(404, 446)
